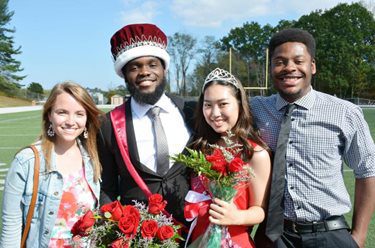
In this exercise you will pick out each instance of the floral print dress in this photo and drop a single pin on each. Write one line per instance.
(76, 200)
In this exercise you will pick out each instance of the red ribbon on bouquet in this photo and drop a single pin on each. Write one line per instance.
(193, 210)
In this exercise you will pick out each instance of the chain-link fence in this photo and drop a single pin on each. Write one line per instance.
(361, 101)
(25, 94)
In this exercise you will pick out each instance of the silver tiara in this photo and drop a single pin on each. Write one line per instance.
(220, 75)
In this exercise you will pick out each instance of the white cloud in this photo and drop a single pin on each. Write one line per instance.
(139, 11)
(214, 13)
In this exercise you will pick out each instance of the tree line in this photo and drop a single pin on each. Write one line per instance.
(345, 56)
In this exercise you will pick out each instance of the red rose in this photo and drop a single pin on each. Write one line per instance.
(149, 228)
(165, 232)
(217, 154)
(119, 243)
(129, 222)
(128, 225)
(236, 164)
(156, 204)
(131, 210)
(114, 208)
(84, 224)
(218, 162)
(219, 167)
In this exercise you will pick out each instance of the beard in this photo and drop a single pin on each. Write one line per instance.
(147, 98)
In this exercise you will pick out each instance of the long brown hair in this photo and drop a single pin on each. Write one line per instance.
(92, 123)
(243, 129)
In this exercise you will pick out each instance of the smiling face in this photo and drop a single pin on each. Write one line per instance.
(145, 77)
(292, 68)
(220, 108)
(68, 118)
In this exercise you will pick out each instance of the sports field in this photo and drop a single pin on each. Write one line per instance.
(20, 129)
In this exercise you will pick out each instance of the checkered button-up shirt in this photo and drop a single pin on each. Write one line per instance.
(325, 133)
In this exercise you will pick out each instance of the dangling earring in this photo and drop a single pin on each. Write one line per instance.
(50, 131)
(85, 133)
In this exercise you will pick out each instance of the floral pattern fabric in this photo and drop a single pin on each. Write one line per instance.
(77, 199)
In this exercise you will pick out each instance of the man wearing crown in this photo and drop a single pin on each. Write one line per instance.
(137, 138)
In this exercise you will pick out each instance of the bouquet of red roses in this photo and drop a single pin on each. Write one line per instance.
(115, 225)
(219, 172)
(224, 165)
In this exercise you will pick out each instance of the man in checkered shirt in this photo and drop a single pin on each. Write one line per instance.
(326, 133)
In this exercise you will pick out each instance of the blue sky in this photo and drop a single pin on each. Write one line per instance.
(69, 39)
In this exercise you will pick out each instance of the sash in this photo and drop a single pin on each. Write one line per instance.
(119, 126)
(119, 129)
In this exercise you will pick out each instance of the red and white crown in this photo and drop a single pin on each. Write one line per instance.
(138, 40)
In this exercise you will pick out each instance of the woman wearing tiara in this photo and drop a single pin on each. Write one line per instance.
(223, 107)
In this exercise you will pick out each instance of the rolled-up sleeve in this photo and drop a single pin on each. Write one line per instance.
(359, 151)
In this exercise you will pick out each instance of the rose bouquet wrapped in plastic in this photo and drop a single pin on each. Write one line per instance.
(219, 172)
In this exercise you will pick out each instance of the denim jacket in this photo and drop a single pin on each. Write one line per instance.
(18, 192)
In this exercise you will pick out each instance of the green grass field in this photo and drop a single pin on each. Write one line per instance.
(20, 129)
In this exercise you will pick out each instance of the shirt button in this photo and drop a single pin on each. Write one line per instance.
(291, 187)
(46, 232)
(290, 165)
(292, 119)
(56, 193)
(290, 141)
(51, 212)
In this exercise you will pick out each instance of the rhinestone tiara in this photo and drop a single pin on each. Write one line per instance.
(220, 75)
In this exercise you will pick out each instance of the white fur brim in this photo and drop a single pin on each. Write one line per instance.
(140, 51)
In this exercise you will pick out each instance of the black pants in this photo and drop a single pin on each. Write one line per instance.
(331, 239)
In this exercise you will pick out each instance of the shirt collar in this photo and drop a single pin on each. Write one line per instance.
(140, 110)
(306, 101)
(280, 102)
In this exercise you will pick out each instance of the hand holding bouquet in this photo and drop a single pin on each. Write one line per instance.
(221, 171)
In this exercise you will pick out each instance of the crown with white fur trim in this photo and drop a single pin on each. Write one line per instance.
(138, 40)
